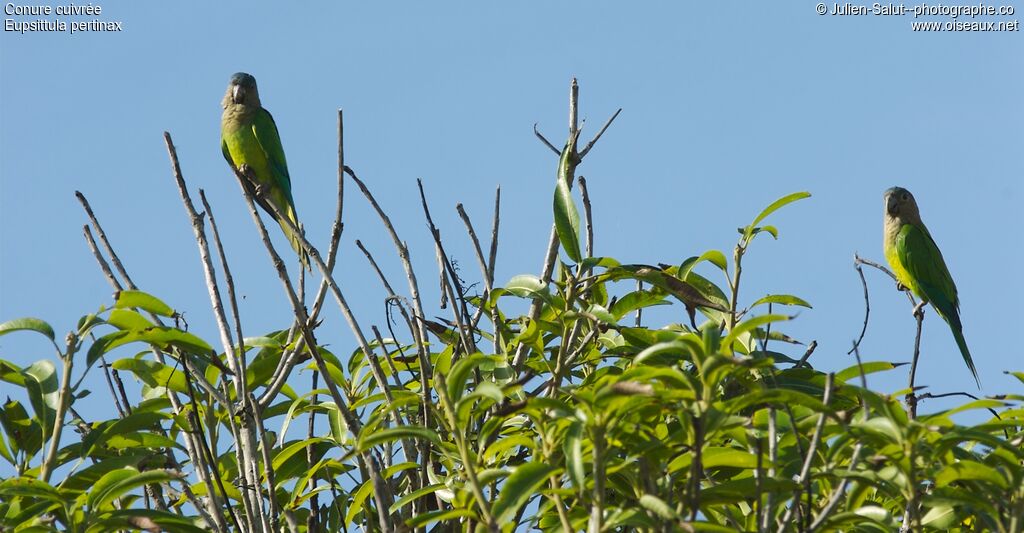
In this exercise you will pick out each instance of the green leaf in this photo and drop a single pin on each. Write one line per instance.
(41, 385)
(459, 373)
(487, 392)
(784, 299)
(127, 319)
(23, 433)
(391, 434)
(103, 345)
(29, 488)
(129, 424)
(637, 300)
(749, 325)
(164, 337)
(518, 489)
(31, 324)
(969, 470)
(939, 517)
(116, 483)
(143, 519)
(572, 447)
(772, 208)
(731, 457)
(439, 516)
(527, 286)
(415, 495)
(658, 506)
(714, 257)
(770, 230)
(84, 479)
(357, 501)
(567, 218)
(340, 431)
(153, 374)
(869, 368)
(288, 451)
(11, 373)
(144, 301)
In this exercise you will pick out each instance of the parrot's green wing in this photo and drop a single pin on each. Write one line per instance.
(923, 261)
(227, 153)
(921, 257)
(245, 183)
(265, 129)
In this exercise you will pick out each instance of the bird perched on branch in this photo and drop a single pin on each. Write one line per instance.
(918, 265)
(252, 146)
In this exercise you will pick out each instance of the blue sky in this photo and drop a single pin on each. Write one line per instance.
(726, 107)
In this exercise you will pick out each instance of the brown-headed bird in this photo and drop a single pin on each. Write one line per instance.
(918, 265)
(252, 146)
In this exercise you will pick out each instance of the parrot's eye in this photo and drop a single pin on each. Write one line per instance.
(904, 197)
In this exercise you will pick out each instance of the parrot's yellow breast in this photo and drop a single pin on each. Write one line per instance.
(903, 276)
(245, 149)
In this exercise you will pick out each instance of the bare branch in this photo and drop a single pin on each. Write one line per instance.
(805, 470)
(807, 354)
(410, 274)
(867, 304)
(545, 140)
(838, 493)
(493, 254)
(206, 508)
(103, 239)
(587, 215)
(449, 283)
(586, 149)
(382, 493)
(574, 105)
(476, 246)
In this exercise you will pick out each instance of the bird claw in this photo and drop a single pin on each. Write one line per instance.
(918, 311)
(901, 287)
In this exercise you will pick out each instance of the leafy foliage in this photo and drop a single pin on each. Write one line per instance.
(577, 417)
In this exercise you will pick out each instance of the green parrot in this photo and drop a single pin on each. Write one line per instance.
(251, 144)
(918, 265)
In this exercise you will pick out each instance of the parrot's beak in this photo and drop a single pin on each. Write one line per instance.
(890, 205)
(237, 94)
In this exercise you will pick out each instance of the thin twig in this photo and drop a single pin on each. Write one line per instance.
(805, 470)
(288, 362)
(867, 304)
(246, 444)
(103, 240)
(381, 492)
(587, 214)
(493, 254)
(476, 246)
(544, 140)
(104, 266)
(451, 282)
(807, 354)
(586, 149)
(209, 457)
(837, 495)
(769, 505)
(252, 415)
(209, 513)
(403, 254)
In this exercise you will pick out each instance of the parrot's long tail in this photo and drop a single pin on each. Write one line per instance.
(958, 334)
(953, 319)
(294, 239)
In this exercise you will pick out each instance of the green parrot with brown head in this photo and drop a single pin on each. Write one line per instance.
(918, 265)
(252, 146)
